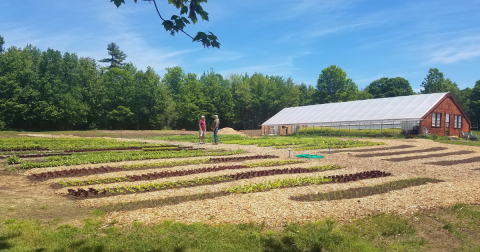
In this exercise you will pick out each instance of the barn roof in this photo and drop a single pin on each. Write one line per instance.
(412, 107)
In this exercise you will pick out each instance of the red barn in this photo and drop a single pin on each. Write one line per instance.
(446, 118)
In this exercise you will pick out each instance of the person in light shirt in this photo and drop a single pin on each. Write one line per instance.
(202, 127)
(216, 124)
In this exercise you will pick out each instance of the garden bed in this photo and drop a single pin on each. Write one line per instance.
(210, 203)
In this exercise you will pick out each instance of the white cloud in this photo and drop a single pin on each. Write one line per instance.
(454, 50)
(220, 56)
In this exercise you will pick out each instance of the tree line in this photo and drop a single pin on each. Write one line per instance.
(48, 90)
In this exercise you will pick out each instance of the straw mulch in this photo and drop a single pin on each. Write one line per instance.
(275, 208)
(229, 131)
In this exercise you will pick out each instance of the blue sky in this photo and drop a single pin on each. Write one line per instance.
(297, 39)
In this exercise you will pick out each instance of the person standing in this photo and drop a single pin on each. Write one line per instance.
(202, 127)
(216, 123)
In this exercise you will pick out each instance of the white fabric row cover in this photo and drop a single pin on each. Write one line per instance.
(412, 107)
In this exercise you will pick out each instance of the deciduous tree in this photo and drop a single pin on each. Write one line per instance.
(389, 87)
(334, 86)
(433, 83)
(474, 103)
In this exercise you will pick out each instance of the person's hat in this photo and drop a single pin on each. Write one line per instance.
(203, 116)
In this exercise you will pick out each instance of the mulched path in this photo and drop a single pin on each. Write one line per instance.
(454, 162)
(401, 152)
(377, 149)
(428, 156)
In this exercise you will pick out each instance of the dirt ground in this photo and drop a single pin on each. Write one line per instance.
(24, 199)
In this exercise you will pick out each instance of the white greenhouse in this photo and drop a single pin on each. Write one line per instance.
(411, 114)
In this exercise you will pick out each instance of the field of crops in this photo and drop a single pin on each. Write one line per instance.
(38, 143)
(239, 181)
(296, 143)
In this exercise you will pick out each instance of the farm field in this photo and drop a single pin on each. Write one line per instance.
(243, 181)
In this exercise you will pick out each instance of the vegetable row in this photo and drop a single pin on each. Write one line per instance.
(297, 143)
(260, 187)
(194, 182)
(108, 169)
(117, 156)
(123, 148)
(252, 188)
(38, 143)
(167, 174)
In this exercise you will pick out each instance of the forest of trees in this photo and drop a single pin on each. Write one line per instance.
(48, 90)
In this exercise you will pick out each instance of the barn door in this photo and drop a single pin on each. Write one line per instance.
(447, 125)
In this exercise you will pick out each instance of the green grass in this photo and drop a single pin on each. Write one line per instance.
(461, 142)
(16, 235)
(447, 140)
(379, 232)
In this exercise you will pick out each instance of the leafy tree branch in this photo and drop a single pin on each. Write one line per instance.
(177, 23)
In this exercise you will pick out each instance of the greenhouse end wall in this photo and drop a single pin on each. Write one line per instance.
(446, 107)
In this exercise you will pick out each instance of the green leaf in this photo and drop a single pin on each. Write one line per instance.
(118, 2)
(200, 36)
(185, 20)
(204, 15)
(168, 25)
(177, 3)
(179, 23)
(192, 15)
(212, 37)
(184, 10)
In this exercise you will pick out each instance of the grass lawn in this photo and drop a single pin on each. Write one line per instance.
(450, 229)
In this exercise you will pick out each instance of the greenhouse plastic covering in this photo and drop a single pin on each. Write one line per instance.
(412, 107)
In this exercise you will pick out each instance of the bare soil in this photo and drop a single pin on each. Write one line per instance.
(24, 199)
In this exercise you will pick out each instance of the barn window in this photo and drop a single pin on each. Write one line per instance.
(457, 122)
(436, 119)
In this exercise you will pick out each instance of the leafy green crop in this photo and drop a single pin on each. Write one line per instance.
(116, 156)
(280, 183)
(65, 143)
(14, 160)
(209, 180)
(274, 163)
(294, 142)
(194, 138)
